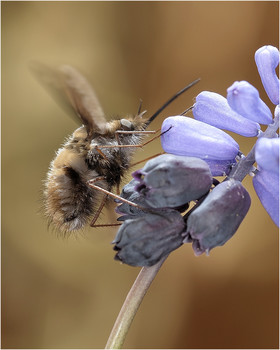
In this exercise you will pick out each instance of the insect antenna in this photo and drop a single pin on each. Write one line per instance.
(186, 111)
(171, 100)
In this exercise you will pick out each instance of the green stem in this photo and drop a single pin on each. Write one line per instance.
(131, 305)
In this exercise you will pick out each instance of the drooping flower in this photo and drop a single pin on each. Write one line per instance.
(193, 138)
(143, 241)
(267, 59)
(215, 221)
(213, 109)
(244, 98)
(172, 181)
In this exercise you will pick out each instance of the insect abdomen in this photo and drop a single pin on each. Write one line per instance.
(69, 201)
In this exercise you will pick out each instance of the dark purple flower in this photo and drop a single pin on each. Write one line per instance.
(171, 181)
(244, 98)
(215, 221)
(188, 137)
(213, 109)
(143, 241)
(267, 60)
(266, 185)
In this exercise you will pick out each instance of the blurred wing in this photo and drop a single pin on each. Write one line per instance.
(69, 88)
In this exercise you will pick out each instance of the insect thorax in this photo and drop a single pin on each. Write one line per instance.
(110, 162)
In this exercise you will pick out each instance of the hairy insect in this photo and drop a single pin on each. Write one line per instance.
(95, 157)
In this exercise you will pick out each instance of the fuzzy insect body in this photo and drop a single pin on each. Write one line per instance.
(69, 201)
(99, 150)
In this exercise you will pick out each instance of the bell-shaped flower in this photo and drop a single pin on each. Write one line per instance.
(143, 241)
(267, 60)
(189, 137)
(215, 221)
(267, 154)
(244, 99)
(213, 109)
(172, 181)
(266, 185)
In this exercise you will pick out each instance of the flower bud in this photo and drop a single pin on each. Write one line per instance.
(244, 98)
(266, 185)
(215, 221)
(267, 60)
(171, 181)
(267, 153)
(145, 240)
(213, 109)
(188, 137)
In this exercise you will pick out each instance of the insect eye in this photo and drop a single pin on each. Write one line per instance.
(126, 124)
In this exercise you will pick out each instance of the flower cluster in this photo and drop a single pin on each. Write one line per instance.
(197, 151)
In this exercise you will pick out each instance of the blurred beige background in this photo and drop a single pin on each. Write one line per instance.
(60, 293)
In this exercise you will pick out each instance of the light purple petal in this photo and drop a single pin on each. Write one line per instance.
(266, 185)
(188, 137)
(267, 59)
(213, 109)
(220, 167)
(244, 99)
(267, 154)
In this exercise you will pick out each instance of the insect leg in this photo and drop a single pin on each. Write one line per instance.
(101, 206)
(143, 132)
(130, 146)
(108, 193)
(100, 152)
(146, 159)
(134, 132)
(106, 225)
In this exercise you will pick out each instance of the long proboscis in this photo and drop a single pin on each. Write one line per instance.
(171, 100)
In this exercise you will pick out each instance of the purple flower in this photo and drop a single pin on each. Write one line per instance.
(244, 98)
(267, 59)
(143, 241)
(198, 150)
(267, 154)
(213, 109)
(172, 181)
(220, 167)
(215, 221)
(266, 184)
(189, 137)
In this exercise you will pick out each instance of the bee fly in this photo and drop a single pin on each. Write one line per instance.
(94, 158)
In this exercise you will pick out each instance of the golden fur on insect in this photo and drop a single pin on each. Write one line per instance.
(93, 152)
(69, 201)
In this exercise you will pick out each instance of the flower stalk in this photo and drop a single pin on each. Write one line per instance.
(131, 305)
(245, 164)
